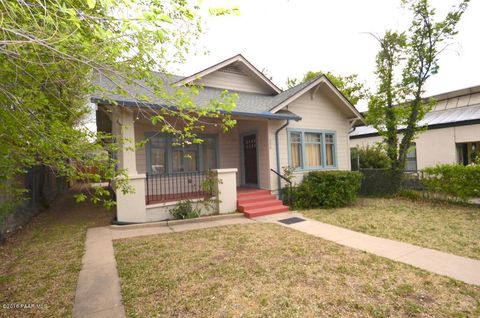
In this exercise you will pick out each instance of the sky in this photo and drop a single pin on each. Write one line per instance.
(288, 38)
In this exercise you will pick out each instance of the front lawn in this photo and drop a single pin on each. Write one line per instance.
(447, 227)
(266, 270)
(40, 265)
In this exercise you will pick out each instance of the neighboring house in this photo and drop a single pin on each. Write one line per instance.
(452, 135)
(305, 127)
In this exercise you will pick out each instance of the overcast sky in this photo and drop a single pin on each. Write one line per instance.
(287, 38)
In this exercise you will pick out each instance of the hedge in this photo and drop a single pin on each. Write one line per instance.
(455, 181)
(327, 189)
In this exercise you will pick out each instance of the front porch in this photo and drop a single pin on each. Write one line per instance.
(163, 173)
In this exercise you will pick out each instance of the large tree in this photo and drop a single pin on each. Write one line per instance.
(349, 85)
(404, 63)
(50, 52)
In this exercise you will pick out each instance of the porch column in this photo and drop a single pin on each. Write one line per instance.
(226, 190)
(131, 207)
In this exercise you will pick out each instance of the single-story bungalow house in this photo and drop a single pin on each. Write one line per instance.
(306, 127)
(452, 135)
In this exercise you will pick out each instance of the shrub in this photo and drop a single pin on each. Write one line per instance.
(185, 210)
(327, 189)
(454, 181)
(371, 157)
(410, 194)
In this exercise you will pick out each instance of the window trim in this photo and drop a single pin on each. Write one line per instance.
(169, 151)
(322, 133)
(410, 159)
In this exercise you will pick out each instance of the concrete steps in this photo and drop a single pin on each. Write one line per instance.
(257, 202)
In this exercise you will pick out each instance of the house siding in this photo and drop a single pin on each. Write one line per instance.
(235, 82)
(318, 112)
(434, 146)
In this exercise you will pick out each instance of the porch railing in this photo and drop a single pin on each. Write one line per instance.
(175, 186)
(288, 190)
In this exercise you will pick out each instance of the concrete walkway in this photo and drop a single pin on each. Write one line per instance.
(461, 268)
(98, 289)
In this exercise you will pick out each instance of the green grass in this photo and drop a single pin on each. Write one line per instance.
(447, 227)
(41, 263)
(266, 270)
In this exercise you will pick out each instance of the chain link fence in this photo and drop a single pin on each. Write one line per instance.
(378, 182)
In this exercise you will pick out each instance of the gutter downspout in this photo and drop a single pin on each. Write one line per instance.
(277, 148)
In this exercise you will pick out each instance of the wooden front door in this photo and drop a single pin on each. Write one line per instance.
(250, 159)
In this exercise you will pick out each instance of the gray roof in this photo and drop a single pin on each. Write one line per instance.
(435, 119)
(248, 104)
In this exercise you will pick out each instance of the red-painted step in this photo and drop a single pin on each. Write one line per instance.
(257, 202)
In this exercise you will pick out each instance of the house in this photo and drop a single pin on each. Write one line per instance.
(452, 131)
(305, 127)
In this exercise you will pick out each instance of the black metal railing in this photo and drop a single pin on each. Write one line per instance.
(289, 190)
(175, 186)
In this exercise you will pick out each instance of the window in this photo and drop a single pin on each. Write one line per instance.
(164, 156)
(329, 149)
(158, 162)
(295, 149)
(311, 149)
(467, 152)
(411, 162)
(209, 153)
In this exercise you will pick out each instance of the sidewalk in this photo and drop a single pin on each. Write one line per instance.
(458, 267)
(98, 289)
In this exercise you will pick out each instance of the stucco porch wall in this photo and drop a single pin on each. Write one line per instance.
(319, 112)
(229, 146)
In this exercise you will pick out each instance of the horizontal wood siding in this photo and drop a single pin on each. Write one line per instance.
(318, 112)
(235, 82)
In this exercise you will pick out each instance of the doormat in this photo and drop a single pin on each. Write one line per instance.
(291, 220)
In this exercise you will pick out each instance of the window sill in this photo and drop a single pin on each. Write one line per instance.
(301, 170)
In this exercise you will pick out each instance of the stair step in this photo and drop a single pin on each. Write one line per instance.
(256, 198)
(242, 207)
(246, 193)
(265, 211)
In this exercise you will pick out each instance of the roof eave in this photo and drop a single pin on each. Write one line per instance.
(429, 127)
(123, 103)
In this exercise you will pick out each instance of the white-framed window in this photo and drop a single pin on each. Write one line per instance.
(311, 149)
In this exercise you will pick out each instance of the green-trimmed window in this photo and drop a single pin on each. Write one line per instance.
(164, 156)
(311, 149)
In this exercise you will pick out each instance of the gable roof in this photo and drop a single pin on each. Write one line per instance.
(247, 104)
(234, 59)
(295, 92)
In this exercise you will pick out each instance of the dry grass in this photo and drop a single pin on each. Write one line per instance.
(40, 264)
(265, 270)
(447, 227)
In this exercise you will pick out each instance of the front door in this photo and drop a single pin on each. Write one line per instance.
(250, 159)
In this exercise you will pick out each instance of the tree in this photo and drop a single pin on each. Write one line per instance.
(349, 85)
(371, 157)
(51, 50)
(404, 63)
